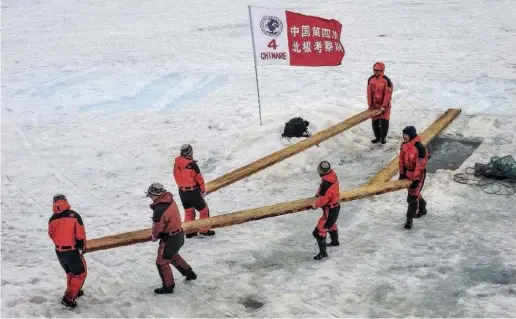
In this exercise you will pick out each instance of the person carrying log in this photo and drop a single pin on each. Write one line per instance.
(191, 186)
(327, 199)
(66, 229)
(412, 162)
(166, 228)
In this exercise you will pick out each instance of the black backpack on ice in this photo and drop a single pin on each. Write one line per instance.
(296, 127)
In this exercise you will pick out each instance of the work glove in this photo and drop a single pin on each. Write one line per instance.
(80, 246)
(153, 239)
(414, 184)
(314, 206)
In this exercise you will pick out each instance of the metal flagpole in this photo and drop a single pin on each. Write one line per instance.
(255, 68)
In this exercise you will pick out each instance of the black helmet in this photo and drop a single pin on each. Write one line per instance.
(186, 150)
(58, 197)
(410, 131)
(156, 189)
(323, 168)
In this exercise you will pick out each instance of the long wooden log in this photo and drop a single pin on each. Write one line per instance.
(376, 182)
(141, 236)
(288, 151)
(427, 136)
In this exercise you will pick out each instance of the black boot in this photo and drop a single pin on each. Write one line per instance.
(384, 129)
(81, 293)
(68, 303)
(165, 290)
(207, 233)
(411, 210)
(322, 249)
(334, 236)
(422, 208)
(191, 235)
(376, 131)
(190, 275)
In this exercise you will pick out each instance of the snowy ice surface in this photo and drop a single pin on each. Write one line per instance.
(98, 96)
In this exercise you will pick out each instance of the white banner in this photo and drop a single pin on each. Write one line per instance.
(269, 30)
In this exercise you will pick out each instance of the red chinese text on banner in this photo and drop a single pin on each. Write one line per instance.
(282, 37)
(313, 41)
(290, 38)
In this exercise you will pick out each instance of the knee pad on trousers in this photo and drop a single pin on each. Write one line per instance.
(204, 213)
(75, 284)
(166, 275)
(412, 199)
(316, 234)
(189, 214)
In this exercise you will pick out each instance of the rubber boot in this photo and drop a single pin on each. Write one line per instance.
(189, 274)
(68, 303)
(376, 131)
(408, 223)
(422, 208)
(334, 236)
(322, 249)
(384, 129)
(164, 290)
(411, 210)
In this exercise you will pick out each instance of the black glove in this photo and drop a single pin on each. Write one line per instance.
(402, 176)
(414, 184)
(80, 246)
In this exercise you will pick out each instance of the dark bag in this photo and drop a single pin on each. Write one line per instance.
(296, 127)
(498, 168)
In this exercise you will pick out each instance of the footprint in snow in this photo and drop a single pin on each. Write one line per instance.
(38, 299)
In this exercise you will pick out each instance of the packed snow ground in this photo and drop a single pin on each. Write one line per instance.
(97, 98)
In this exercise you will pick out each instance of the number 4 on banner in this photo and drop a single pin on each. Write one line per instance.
(272, 44)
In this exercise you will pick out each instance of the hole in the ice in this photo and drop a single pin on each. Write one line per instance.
(492, 274)
(449, 153)
(251, 303)
(504, 278)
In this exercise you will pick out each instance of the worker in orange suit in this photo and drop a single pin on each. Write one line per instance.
(66, 229)
(191, 186)
(328, 199)
(379, 93)
(412, 163)
(166, 228)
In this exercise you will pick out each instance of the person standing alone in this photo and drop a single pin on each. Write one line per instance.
(379, 93)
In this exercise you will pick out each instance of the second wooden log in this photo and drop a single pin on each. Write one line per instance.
(141, 236)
